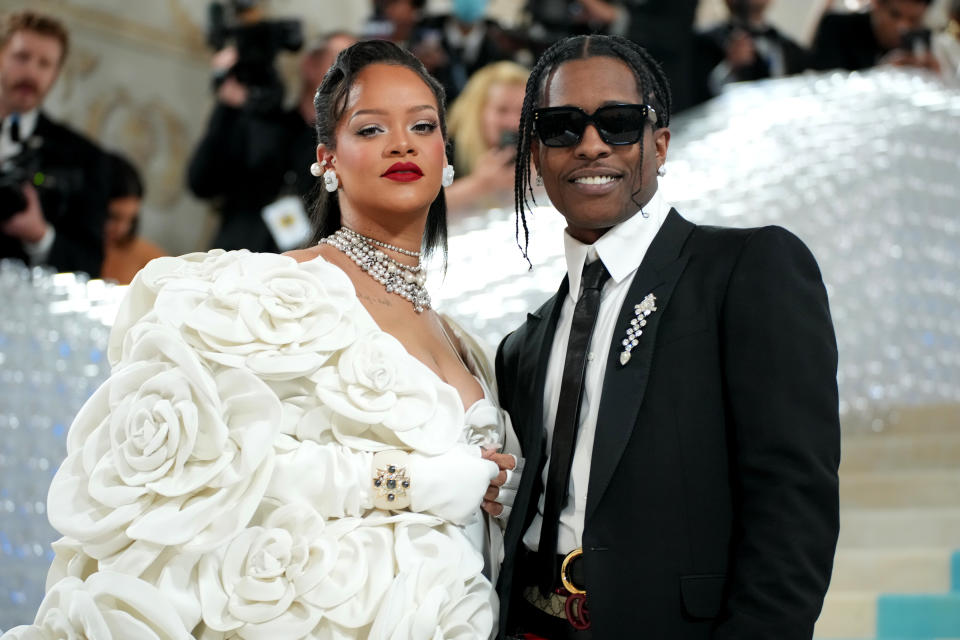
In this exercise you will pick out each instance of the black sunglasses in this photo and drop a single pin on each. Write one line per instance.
(617, 124)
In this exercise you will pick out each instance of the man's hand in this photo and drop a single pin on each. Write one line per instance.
(498, 500)
(904, 58)
(741, 51)
(29, 225)
(598, 11)
(231, 92)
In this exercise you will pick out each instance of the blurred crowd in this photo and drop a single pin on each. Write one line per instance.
(68, 203)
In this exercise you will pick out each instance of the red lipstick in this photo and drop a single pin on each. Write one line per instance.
(403, 172)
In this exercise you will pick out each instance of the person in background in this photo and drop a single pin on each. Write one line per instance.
(124, 251)
(946, 46)
(248, 160)
(394, 20)
(745, 47)
(891, 32)
(54, 180)
(483, 131)
(663, 27)
(467, 40)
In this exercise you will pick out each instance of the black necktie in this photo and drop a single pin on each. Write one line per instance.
(568, 417)
(15, 127)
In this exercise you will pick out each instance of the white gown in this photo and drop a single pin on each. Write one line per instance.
(218, 484)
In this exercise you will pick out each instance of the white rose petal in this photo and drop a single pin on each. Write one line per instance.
(142, 294)
(381, 397)
(107, 606)
(439, 591)
(267, 313)
(164, 453)
(279, 579)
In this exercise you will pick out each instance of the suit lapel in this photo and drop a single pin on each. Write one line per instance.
(531, 375)
(624, 386)
(537, 358)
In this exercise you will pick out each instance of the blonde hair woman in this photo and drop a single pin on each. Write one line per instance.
(483, 127)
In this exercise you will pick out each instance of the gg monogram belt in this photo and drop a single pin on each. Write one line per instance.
(569, 601)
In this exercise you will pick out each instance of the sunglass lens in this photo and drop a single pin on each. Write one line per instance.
(619, 125)
(560, 128)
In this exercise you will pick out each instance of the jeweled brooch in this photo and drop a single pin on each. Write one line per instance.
(647, 306)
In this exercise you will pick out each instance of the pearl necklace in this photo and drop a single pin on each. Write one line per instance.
(402, 279)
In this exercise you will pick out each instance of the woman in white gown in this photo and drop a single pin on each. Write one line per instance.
(290, 446)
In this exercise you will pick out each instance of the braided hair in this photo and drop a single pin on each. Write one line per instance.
(651, 84)
(330, 103)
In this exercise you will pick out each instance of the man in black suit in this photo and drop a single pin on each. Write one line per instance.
(745, 47)
(675, 401)
(61, 223)
(856, 41)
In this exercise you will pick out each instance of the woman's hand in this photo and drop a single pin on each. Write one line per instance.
(452, 484)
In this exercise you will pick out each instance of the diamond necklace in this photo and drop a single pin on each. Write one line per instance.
(402, 279)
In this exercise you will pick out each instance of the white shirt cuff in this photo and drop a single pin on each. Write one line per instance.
(39, 251)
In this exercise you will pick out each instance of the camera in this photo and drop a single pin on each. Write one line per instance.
(916, 41)
(258, 42)
(15, 172)
(54, 184)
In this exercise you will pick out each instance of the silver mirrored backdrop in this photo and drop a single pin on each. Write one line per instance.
(53, 341)
(864, 167)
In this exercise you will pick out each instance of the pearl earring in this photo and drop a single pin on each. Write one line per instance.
(317, 169)
(446, 178)
(662, 170)
(330, 181)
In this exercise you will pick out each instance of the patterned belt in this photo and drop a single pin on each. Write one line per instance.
(568, 602)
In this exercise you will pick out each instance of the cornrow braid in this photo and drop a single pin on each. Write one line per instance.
(652, 84)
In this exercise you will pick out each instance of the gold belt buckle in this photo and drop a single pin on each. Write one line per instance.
(567, 584)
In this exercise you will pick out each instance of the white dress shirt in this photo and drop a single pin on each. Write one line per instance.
(9, 148)
(621, 249)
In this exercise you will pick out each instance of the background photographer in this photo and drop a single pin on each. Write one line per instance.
(743, 48)
(891, 32)
(254, 154)
(53, 181)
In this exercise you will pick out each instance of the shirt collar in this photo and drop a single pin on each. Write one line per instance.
(27, 120)
(621, 248)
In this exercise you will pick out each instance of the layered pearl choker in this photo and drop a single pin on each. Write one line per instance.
(401, 279)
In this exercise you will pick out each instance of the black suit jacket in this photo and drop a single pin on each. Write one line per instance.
(846, 41)
(711, 49)
(77, 208)
(712, 508)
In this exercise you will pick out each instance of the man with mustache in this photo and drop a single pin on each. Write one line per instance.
(53, 181)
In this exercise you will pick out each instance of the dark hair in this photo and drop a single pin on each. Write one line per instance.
(124, 178)
(45, 25)
(331, 102)
(125, 182)
(652, 85)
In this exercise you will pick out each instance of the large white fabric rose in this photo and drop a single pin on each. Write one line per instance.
(439, 591)
(265, 312)
(107, 606)
(164, 453)
(195, 268)
(293, 573)
(383, 398)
